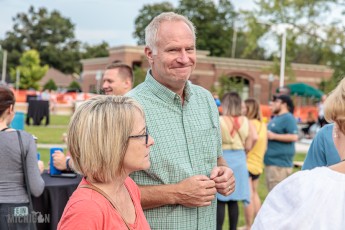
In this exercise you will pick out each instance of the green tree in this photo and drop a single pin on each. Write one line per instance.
(50, 85)
(147, 13)
(214, 24)
(100, 50)
(50, 34)
(316, 36)
(74, 86)
(30, 69)
(139, 76)
(229, 84)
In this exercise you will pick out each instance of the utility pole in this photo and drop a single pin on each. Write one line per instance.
(17, 79)
(4, 62)
(282, 59)
(234, 40)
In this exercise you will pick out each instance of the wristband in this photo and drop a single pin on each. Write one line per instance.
(67, 165)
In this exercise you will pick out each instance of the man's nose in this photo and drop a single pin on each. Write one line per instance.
(183, 56)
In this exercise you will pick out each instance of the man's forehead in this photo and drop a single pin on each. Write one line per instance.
(170, 26)
(175, 39)
(112, 73)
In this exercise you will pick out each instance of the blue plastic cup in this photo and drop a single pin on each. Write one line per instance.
(53, 170)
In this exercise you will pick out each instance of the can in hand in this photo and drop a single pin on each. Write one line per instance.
(53, 170)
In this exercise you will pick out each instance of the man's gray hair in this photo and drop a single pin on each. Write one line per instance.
(151, 29)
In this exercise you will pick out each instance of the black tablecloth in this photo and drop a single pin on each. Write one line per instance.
(37, 110)
(54, 199)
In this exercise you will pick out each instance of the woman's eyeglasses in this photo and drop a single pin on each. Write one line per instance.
(146, 135)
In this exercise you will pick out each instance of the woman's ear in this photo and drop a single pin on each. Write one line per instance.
(11, 109)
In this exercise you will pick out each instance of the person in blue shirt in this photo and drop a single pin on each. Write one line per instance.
(322, 151)
(282, 135)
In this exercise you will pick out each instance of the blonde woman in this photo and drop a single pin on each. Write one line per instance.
(255, 158)
(311, 199)
(108, 139)
(236, 140)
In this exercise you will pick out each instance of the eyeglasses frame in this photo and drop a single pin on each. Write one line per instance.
(146, 135)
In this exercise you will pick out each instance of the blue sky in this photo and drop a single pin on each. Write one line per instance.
(95, 20)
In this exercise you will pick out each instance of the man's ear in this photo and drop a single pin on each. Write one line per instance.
(128, 83)
(149, 54)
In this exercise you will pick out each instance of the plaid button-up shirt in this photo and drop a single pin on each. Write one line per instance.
(187, 143)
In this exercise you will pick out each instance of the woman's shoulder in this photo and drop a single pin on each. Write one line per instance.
(24, 135)
(243, 120)
(84, 197)
(27, 137)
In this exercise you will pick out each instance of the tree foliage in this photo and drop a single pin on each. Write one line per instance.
(213, 22)
(316, 35)
(74, 86)
(147, 13)
(139, 76)
(100, 50)
(50, 34)
(30, 69)
(50, 85)
(229, 84)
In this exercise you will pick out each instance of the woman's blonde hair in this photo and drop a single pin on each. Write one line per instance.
(335, 106)
(253, 109)
(231, 104)
(98, 135)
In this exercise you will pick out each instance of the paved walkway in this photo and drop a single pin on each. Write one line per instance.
(48, 146)
(302, 146)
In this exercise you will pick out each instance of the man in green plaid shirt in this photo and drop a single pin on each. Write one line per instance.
(187, 167)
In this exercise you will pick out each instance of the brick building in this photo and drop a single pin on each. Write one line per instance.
(254, 73)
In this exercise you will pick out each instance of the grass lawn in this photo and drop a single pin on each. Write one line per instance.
(51, 133)
(44, 156)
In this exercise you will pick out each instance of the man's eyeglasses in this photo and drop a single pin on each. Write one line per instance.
(146, 135)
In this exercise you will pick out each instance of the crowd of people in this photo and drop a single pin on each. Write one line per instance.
(159, 156)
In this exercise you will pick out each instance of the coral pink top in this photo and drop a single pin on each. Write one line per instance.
(88, 209)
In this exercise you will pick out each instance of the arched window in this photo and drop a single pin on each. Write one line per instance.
(238, 84)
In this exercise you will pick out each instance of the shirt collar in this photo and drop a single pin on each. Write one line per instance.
(163, 92)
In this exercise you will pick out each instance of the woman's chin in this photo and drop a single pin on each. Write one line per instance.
(147, 165)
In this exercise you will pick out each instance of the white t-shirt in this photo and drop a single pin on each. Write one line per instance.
(309, 199)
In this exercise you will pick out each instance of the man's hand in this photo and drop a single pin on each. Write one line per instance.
(59, 160)
(270, 135)
(224, 179)
(40, 166)
(196, 191)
